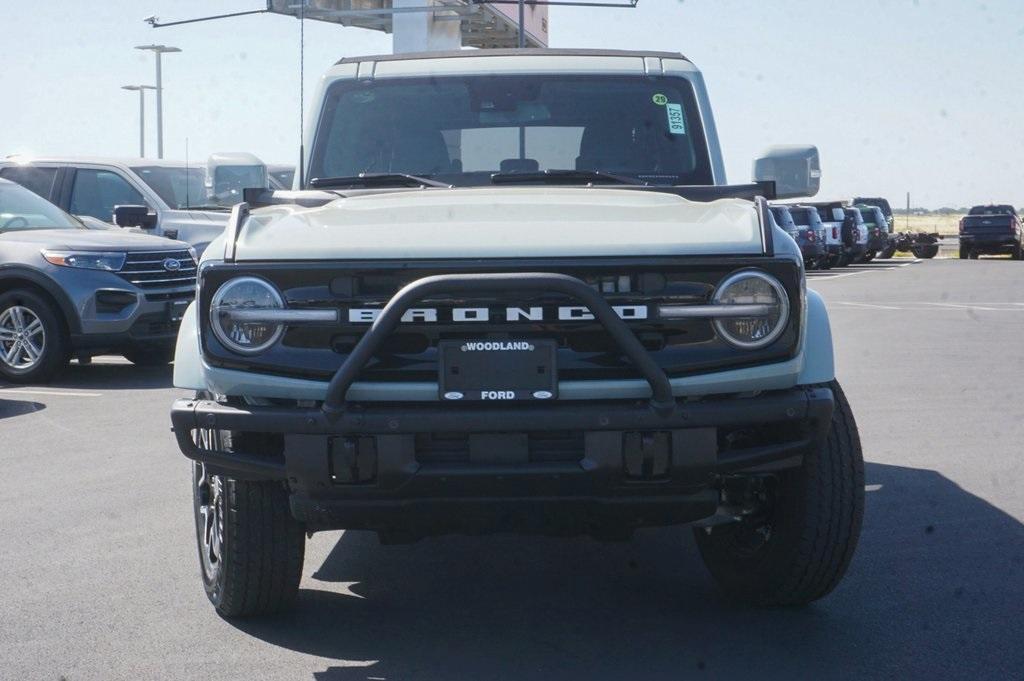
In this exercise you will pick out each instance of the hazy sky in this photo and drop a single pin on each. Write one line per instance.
(923, 96)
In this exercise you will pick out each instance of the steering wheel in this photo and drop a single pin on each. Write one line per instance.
(24, 222)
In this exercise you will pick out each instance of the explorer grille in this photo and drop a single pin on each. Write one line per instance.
(147, 271)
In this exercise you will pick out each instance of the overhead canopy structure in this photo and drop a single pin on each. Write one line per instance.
(467, 23)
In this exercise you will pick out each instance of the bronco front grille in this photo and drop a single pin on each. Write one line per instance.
(152, 270)
(585, 351)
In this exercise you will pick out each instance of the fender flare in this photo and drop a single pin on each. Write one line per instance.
(188, 361)
(10, 273)
(819, 357)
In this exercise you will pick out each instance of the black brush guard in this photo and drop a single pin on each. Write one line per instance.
(306, 429)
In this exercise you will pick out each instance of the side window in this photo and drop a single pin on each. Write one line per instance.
(38, 180)
(96, 192)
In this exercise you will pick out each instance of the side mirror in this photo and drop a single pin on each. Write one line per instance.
(134, 216)
(795, 170)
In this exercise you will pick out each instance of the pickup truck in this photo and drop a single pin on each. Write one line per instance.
(990, 230)
(171, 193)
(516, 294)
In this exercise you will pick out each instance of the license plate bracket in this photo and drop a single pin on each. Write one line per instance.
(497, 370)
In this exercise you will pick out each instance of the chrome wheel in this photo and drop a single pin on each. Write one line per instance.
(208, 491)
(22, 338)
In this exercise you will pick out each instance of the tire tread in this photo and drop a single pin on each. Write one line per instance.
(263, 549)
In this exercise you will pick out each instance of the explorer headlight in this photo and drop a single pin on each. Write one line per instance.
(241, 315)
(757, 289)
(89, 260)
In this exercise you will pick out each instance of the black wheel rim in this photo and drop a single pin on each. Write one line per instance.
(208, 493)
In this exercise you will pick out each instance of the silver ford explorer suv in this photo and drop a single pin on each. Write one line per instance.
(516, 294)
(70, 291)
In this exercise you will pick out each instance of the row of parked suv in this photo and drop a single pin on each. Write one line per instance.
(836, 234)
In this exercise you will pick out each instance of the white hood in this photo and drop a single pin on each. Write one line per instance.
(497, 222)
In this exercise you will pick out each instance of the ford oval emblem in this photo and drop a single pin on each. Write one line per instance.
(542, 395)
(453, 396)
(172, 265)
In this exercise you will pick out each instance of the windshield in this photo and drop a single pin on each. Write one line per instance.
(462, 130)
(21, 209)
(283, 177)
(178, 187)
(229, 181)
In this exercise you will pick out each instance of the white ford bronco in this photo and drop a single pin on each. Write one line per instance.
(515, 293)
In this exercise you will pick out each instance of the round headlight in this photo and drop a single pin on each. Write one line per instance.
(752, 288)
(242, 335)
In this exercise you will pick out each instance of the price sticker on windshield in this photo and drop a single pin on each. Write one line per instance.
(676, 122)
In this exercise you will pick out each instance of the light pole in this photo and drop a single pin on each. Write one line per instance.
(159, 50)
(142, 114)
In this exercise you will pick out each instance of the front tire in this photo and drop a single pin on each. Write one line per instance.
(33, 341)
(798, 547)
(250, 546)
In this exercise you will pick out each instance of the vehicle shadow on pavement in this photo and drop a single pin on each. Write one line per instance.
(935, 591)
(9, 408)
(113, 377)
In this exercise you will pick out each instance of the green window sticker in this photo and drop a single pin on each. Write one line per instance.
(660, 99)
(676, 121)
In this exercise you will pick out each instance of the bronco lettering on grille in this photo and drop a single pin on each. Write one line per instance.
(470, 315)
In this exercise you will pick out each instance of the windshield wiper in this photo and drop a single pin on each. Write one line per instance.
(376, 180)
(564, 177)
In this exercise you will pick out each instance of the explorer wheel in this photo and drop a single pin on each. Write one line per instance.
(796, 546)
(33, 343)
(250, 546)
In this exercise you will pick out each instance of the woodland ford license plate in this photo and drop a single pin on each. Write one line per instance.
(497, 370)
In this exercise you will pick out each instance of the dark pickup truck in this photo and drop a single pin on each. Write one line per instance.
(988, 230)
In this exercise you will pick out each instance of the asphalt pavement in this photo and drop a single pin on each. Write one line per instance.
(100, 572)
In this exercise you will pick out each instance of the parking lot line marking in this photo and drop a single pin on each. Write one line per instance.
(54, 393)
(869, 305)
(966, 306)
(926, 306)
(838, 276)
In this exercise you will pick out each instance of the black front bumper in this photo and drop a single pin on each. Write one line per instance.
(380, 467)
